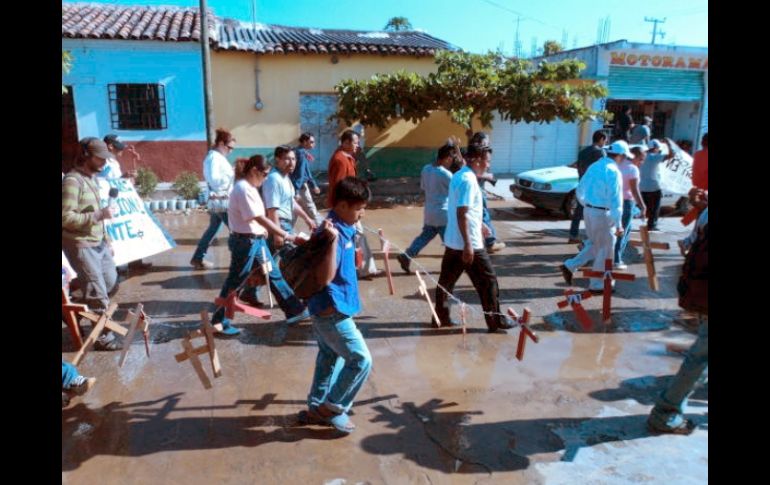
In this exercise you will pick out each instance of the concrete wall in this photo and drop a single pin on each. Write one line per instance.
(401, 149)
(98, 63)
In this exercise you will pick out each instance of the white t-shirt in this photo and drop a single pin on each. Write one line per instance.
(279, 193)
(245, 205)
(464, 191)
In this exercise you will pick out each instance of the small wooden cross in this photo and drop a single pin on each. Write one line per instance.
(525, 331)
(424, 292)
(207, 331)
(385, 250)
(691, 215)
(463, 310)
(652, 275)
(137, 321)
(232, 304)
(608, 275)
(101, 322)
(575, 299)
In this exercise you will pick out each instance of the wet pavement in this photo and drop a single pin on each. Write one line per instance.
(437, 408)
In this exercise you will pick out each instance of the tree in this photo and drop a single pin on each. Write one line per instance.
(472, 86)
(66, 66)
(551, 47)
(397, 24)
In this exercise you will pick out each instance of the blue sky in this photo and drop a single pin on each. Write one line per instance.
(481, 25)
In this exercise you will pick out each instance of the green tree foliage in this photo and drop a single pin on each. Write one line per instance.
(397, 24)
(66, 66)
(472, 86)
(551, 47)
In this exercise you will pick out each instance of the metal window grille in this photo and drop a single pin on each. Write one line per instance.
(138, 106)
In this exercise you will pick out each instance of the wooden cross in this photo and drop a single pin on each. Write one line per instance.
(101, 322)
(424, 292)
(575, 299)
(207, 331)
(232, 304)
(138, 320)
(385, 250)
(463, 310)
(608, 275)
(525, 331)
(691, 215)
(267, 267)
(70, 312)
(652, 275)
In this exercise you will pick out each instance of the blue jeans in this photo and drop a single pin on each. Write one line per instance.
(342, 365)
(487, 219)
(669, 409)
(574, 227)
(287, 226)
(216, 219)
(241, 249)
(68, 374)
(426, 236)
(629, 212)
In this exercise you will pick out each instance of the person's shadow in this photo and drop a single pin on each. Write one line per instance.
(143, 428)
(446, 441)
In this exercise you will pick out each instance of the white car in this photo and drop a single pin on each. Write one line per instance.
(554, 187)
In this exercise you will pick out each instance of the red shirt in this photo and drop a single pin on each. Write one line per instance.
(700, 169)
(341, 165)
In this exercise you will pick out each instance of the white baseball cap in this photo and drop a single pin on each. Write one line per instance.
(619, 147)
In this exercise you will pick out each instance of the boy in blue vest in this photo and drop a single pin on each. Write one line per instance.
(339, 340)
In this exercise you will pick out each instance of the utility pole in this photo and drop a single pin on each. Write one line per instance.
(206, 58)
(517, 43)
(655, 27)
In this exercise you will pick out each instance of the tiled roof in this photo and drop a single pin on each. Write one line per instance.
(131, 22)
(178, 24)
(276, 39)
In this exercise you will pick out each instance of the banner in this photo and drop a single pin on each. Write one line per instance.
(134, 232)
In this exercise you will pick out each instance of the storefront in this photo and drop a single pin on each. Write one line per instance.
(667, 83)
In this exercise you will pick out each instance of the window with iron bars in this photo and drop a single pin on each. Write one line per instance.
(137, 106)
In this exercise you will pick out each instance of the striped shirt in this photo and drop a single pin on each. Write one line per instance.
(79, 204)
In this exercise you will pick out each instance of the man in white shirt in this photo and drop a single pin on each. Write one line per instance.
(600, 192)
(279, 196)
(464, 241)
(219, 175)
(111, 171)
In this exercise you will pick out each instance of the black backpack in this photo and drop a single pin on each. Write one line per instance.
(693, 286)
(299, 265)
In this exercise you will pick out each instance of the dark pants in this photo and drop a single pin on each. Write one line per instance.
(652, 201)
(481, 274)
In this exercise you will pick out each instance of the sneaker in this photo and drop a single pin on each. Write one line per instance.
(81, 385)
(201, 264)
(298, 318)
(621, 266)
(251, 300)
(403, 260)
(505, 324)
(498, 246)
(573, 240)
(566, 274)
(108, 343)
(227, 330)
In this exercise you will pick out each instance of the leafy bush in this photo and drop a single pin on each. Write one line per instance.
(146, 182)
(186, 185)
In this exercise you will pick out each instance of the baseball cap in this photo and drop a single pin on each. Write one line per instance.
(112, 139)
(619, 147)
